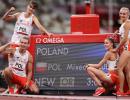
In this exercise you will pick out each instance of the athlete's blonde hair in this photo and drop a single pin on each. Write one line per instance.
(127, 9)
(27, 38)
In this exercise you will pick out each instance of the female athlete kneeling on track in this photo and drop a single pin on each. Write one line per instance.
(96, 73)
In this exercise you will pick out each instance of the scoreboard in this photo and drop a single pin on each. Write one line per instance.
(60, 61)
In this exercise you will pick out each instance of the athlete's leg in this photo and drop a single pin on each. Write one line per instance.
(8, 77)
(93, 76)
(15, 40)
(7, 74)
(98, 75)
(33, 88)
(21, 81)
(123, 60)
(127, 70)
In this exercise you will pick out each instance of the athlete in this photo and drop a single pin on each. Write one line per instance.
(25, 22)
(124, 61)
(20, 60)
(95, 72)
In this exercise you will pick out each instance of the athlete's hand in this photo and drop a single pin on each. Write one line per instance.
(8, 44)
(89, 65)
(50, 34)
(116, 32)
(47, 33)
(12, 9)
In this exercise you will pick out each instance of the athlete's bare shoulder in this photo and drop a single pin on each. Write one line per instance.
(127, 24)
(17, 14)
(107, 55)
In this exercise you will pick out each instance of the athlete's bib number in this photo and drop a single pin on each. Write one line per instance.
(22, 29)
(18, 65)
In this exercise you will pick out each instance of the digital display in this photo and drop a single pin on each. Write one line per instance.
(62, 66)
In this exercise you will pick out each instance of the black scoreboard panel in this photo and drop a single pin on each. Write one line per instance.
(62, 66)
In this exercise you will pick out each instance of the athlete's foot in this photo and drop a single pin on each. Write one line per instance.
(16, 90)
(6, 91)
(118, 93)
(128, 92)
(23, 91)
(11, 90)
(99, 91)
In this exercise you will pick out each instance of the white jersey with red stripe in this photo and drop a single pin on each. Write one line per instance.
(122, 31)
(18, 63)
(23, 27)
(112, 64)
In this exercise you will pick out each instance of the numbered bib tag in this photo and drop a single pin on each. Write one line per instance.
(19, 66)
(22, 29)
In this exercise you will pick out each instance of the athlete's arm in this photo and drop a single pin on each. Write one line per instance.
(116, 32)
(29, 71)
(7, 16)
(4, 47)
(40, 27)
(99, 65)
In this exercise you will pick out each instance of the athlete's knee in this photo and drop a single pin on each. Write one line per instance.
(88, 68)
(90, 71)
(6, 71)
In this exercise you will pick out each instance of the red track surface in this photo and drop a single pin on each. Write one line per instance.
(40, 97)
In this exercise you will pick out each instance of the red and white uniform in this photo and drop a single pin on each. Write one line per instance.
(121, 32)
(112, 64)
(111, 67)
(18, 63)
(22, 28)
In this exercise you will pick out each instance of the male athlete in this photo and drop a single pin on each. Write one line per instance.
(20, 66)
(25, 22)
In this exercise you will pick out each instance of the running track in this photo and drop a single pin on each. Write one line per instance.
(43, 97)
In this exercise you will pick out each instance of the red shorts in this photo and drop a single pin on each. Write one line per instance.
(20, 80)
(114, 77)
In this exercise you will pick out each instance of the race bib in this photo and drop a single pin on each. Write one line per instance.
(22, 29)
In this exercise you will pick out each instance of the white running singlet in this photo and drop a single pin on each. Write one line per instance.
(121, 32)
(23, 27)
(18, 63)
